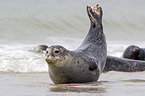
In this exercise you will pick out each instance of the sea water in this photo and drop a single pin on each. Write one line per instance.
(25, 24)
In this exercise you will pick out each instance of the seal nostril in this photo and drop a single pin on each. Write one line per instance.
(47, 55)
(56, 51)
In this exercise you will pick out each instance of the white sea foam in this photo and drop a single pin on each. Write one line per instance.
(22, 58)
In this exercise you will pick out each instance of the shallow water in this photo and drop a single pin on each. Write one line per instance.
(28, 23)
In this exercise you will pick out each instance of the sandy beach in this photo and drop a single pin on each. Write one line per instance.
(39, 84)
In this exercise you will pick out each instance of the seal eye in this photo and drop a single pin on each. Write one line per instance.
(46, 52)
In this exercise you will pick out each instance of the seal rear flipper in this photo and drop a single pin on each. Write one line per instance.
(95, 14)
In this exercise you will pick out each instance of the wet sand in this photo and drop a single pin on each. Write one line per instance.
(39, 84)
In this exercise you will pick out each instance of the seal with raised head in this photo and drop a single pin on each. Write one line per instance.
(84, 64)
(134, 52)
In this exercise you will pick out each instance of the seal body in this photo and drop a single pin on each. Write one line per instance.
(134, 52)
(132, 60)
(84, 64)
(124, 65)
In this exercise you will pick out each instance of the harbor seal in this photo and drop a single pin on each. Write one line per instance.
(123, 64)
(134, 52)
(127, 64)
(84, 64)
(40, 48)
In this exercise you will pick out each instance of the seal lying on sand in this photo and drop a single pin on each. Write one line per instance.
(134, 52)
(84, 64)
(125, 65)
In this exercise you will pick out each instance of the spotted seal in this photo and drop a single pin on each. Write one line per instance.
(134, 52)
(84, 64)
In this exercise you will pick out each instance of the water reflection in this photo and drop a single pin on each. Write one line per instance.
(78, 88)
(135, 80)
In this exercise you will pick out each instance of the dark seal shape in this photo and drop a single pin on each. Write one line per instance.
(127, 64)
(84, 64)
(124, 65)
(40, 48)
(134, 52)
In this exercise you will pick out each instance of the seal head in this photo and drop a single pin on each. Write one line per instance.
(134, 52)
(40, 48)
(55, 55)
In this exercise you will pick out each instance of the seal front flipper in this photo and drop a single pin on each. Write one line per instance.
(93, 65)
